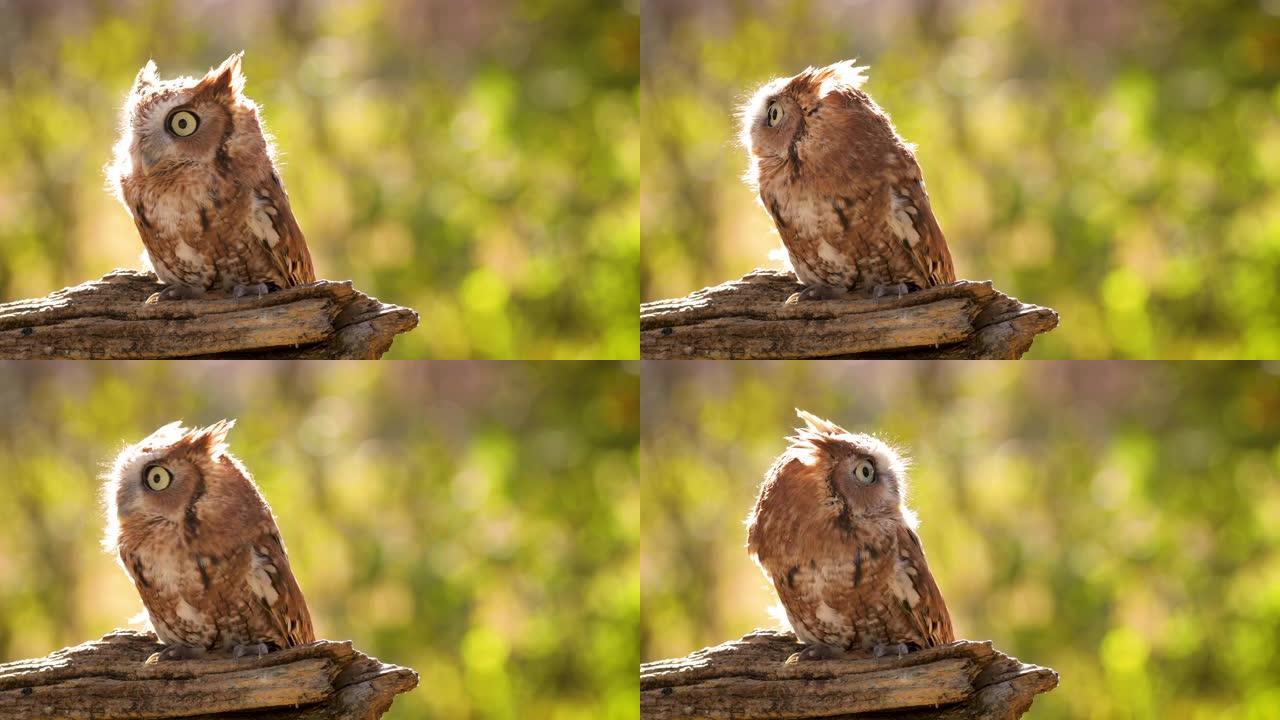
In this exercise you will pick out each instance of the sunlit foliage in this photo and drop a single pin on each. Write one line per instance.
(478, 522)
(1119, 162)
(477, 161)
(1114, 521)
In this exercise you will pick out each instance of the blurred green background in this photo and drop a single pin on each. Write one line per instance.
(1119, 162)
(1114, 521)
(476, 161)
(477, 522)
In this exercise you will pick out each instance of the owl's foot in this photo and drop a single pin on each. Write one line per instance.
(816, 652)
(176, 652)
(896, 290)
(897, 650)
(250, 651)
(254, 291)
(175, 292)
(818, 292)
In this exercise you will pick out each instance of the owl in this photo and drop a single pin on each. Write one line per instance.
(844, 190)
(197, 172)
(831, 530)
(199, 541)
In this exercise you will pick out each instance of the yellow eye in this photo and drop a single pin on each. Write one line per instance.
(183, 122)
(775, 114)
(865, 472)
(157, 478)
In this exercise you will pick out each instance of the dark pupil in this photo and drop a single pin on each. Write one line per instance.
(182, 123)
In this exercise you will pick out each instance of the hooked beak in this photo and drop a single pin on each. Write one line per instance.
(149, 160)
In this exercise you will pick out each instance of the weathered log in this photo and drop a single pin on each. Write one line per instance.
(109, 678)
(750, 679)
(750, 319)
(110, 319)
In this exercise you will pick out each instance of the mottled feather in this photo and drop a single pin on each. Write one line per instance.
(844, 189)
(204, 551)
(842, 554)
(210, 208)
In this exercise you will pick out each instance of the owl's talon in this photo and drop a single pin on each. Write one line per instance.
(253, 291)
(816, 652)
(818, 292)
(250, 651)
(175, 292)
(896, 290)
(176, 652)
(882, 649)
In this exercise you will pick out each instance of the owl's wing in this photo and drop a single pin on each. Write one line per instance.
(928, 614)
(272, 583)
(289, 253)
(911, 218)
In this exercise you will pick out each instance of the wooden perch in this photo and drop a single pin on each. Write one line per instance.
(750, 679)
(110, 319)
(108, 678)
(749, 319)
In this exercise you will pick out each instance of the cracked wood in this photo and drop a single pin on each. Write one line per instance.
(749, 679)
(749, 319)
(109, 319)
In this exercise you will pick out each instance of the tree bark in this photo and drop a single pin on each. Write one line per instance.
(109, 678)
(110, 319)
(750, 319)
(750, 679)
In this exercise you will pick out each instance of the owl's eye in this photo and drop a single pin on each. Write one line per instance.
(775, 114)
(157, 477)
(182, 123)
(865, 472)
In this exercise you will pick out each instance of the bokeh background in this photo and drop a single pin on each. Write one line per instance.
(477, 522)
(1114, 521)
(476, 161)
(1119, 162)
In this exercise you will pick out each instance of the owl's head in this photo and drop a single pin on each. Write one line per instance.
(774, 119)
(171, 123)
(857, 471)
(160, 478)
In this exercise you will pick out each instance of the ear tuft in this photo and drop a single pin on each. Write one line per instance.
(225, 81)
(146, 76)
(214, 437)
(817, 424)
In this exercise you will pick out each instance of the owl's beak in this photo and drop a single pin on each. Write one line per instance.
(149, 160)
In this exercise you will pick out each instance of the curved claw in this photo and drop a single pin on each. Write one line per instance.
(176, 652)
(256, 650)
(898, 650)
(816, 652)
(257, 290)
(818, 292)
(175, 292)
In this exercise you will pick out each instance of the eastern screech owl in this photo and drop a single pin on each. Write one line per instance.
(831, 530)
(197, 172)
(844, 190)
(201, 545)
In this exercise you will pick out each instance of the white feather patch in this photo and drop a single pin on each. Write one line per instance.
(188, 254)
(900, 219)
(902, 584)
(260, 225)
(260, 582)
(188, 613)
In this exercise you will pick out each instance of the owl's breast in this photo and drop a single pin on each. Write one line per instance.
(180, 216)
(818, 231)
(188, 596)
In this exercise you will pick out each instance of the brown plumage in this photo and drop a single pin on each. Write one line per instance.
(831, 530)
(844, 190)
(197, 172)
(201, 545)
